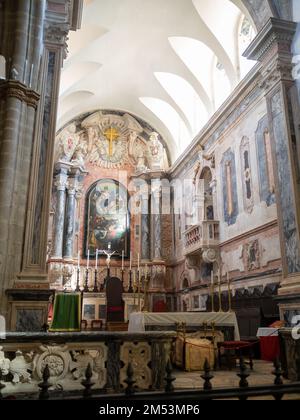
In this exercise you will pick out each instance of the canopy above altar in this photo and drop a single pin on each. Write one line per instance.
(138, 321)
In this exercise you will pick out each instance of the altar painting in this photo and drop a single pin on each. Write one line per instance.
(107, 218)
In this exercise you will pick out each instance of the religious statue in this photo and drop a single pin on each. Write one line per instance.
(156, 152)
(140, 156)
(80, 154)
(68, 141)
(109, 254)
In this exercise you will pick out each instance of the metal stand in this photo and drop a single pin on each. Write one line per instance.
(78, 281)
(86, 286)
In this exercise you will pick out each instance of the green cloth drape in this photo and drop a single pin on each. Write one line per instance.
(66, 313)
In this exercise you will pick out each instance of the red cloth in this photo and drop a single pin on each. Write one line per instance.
(270, 348)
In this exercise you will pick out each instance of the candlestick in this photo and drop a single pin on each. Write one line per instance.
(86, 286)
(97, 259)
(78, 266)
(122, 273)
(130, 261)
(130, 289)
(88, 260)
(220, 294)
(229, 294)
(134, 289)
(212, 294)
(78, 281)
(123, 255)
(139, 291)
(96, 290)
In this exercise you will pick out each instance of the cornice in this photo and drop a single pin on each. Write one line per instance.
(16, 89)
(275, 33)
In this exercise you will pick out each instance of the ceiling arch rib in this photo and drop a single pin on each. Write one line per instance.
(171, 119)
(186, 97)
(215, 22)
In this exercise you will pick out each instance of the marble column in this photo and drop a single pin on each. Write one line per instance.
(145, 225)
(73, 189)
(59, 220)
(273, 48)
(156, 222)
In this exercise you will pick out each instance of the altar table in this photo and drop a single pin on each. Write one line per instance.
(269, 343)
(139, 321)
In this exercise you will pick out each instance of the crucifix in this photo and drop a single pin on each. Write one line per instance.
(111, 134)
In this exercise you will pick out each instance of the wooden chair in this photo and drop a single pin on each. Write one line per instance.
(96, 325)
(117, 326)
(84, 325)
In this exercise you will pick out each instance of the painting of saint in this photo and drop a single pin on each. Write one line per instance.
(107, 218)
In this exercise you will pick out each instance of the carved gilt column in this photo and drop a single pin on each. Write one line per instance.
(273, 48)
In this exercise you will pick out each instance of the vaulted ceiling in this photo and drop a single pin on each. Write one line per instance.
(170, 62)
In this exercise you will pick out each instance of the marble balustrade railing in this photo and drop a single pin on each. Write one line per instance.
(23, 357)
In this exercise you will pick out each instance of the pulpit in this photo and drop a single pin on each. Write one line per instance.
(115, 303)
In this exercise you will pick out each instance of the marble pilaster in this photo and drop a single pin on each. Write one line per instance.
(273, 48)
(145, 226)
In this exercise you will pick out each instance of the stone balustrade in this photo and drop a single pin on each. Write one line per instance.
(24, 356)
(205, 234)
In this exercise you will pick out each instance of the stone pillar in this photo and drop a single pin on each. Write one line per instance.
(58, 21)
(33, 41)
(59, 220)
(20, 99)
(272, 47)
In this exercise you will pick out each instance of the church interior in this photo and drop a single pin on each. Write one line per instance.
(149, 184)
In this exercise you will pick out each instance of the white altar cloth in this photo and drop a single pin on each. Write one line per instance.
(268, 332)
(138, 321)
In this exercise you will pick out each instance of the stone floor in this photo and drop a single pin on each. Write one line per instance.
(261, 375)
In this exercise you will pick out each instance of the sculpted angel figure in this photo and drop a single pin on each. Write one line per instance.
(67, 143)
(156, 151)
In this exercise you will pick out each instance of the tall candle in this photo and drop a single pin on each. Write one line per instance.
(212, 278)
(78, 261)
(123, 254)
(138, 262)
(88, 260)
(130, 261)
(97, 259)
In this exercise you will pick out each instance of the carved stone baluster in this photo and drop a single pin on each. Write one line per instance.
(207, 377)
(130, 381)
(45, 385)
(88, 383)
(169, 378)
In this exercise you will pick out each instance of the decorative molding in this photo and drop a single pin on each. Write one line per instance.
(16, 89)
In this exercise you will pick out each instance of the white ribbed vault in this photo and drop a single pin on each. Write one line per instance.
(170, 62)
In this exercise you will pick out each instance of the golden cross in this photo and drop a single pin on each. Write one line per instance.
(111, 134)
